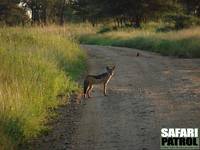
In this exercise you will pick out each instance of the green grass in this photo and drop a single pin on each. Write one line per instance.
(184, 43)
(37, 64)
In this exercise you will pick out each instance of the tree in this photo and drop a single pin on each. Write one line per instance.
(11, 14)
(44, 11)
(124, 12)
(192, 7)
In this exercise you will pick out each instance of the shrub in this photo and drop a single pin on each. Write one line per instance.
(166, 28)
(104, 29)
(182, 21)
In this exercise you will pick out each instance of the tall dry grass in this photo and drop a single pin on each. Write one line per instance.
(36, 64)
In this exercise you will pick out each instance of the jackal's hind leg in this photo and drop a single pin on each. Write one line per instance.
(86, 87)
(105, 88)
(86, 92)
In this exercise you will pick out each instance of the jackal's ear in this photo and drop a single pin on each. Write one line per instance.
(113, 67)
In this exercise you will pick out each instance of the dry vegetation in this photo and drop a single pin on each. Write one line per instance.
(183, 43)
(37, 64)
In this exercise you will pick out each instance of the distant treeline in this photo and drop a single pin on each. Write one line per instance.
(121, 12)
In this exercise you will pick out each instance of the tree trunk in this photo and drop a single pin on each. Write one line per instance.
(45, 16)
(62, 12)
(137, 22)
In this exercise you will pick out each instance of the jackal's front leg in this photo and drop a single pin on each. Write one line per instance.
(90, 91)
(105, 88)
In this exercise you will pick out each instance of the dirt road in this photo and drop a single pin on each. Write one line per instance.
(147, 93)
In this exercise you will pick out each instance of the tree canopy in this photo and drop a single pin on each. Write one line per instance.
(122, 12)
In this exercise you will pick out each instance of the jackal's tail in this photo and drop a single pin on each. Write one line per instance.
(85, 86)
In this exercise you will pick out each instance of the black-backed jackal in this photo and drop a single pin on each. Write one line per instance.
(104, 78)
